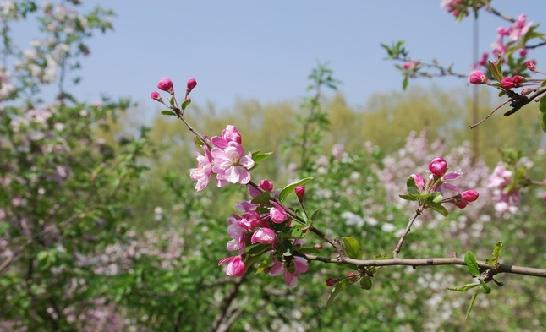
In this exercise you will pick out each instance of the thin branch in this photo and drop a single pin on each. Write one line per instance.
(489, 115)
(500, 268)
(518, 101)
(226, 303)
(398, 247)
(495, 12)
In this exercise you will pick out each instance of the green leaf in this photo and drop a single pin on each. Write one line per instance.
(405, 82)
(472, 301)
(168, 113)
(262, 199)
(440, 209)
(494, 70)
(412, 187)
(289, 189)
(543, 113)
(409, 197)
(259, 156)
(463, 288)
(186, 103)
(336, 290)
(366, 282)
(316, 215)
(471, 263)
(485, 288)
(495, 255)
(351, 246)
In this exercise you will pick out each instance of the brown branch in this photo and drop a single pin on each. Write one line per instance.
(500, 268)
(495, 12)
(398, 247)
(226, 303)
(518, 101)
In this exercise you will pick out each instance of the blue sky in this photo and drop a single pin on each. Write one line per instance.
(265, 49)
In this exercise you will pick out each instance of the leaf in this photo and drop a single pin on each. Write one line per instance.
(168, 113)
(262, 199)
(543, 113)
(289, 189)
(471, 263)
(409, 197)
(336, 290)
(495, 72)
(316, 215)
(463, 288)
(366, 282)
(351, 246)
(186, 103)
(259, 156)
(495, 255)
(412, 187)
(440, 209)
(405, 82)
(472, 301)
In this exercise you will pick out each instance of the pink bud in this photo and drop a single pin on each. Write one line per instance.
(155, 96)
(438, 166)
(523, 52)
(235, 266)
(470, 195)
(300, 192)
(277, 213)
(507, 83)
(477, 77)
(192, 83)
(166, 85)
(517, 79)
(264, 235)
(461, 204)
(266, 185)
(503, 31)
(330, 282)
(419, 180)
(531, 65)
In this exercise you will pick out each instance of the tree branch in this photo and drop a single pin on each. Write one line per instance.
(398, 247)
(500, 268)
(226, 303)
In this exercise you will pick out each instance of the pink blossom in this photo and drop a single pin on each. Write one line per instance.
(501, 31)
(410, 65)
(263, 235)
(155, 95)
(230, 164)
(419, 181)
(506, 201)
(470, 195)
(507, 83)
(531, 65)
(237, 232)
(438, 166)
(203, 171)
(292, 269)
(234, 266)
(519, 28)
(277, 213)
(266, 185)
(165, 84)
(484, 59)
(230, 134)
(445, 184)
(477, 77)
(337, 151)
(523, 52)
(192, 83)
(300, 192)
(518, 80)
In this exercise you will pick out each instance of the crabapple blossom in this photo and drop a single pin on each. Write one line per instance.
(507, 83)
(234, 266)
(470, 195)
(438, 166)
(266, 185)
(191, 84)
(203, 171)
(419, 181)
(155, 96)
(291, 269)
(531, 65)
(263, 235)
(230, 164)
(300, 192)
(277, 213)
(477, 77)
(165, 84)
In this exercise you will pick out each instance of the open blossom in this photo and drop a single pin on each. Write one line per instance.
(291, 270)
(263, 235)
(520, 27)
(506, 201)
(234, 266)
(203, 171)
(230, 134)
(454, 7)
(277, 213)
(231, 164)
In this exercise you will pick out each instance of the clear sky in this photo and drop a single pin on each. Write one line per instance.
(265, 49)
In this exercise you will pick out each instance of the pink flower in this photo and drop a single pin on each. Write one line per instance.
(231, 164)
(483, 59)
(337, 151)
(523, 52)
(438, 166)
(230, 134)
(266, 185)
(292, 270)
(501, 31)
(519, 28)
(410, 65)
(531, 65)
(507, 83)
(446, 179)
(300, 192)
(277, 213)
(470, 195)
(237, 232)
(461, 203)
(166, 85)
(155, 96)
(192, 83)
(263, 235)
(518, 80)
(203, 171)
(419, 181)
(477, 77)
(235, 266)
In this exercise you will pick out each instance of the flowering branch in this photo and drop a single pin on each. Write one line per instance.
(398, 247)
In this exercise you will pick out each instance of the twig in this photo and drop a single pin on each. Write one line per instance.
(398, 247)
(489, 115)
(500, 268)
(226, 303)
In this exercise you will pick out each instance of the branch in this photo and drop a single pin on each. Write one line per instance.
(495, 12)
(226, 303)
(518, 101)
(500, 268)
(398, 247)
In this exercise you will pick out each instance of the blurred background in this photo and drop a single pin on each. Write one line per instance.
(101, 229)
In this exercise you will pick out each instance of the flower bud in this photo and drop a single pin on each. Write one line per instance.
(166, 85)
(531, 65)
(266, 185)
(507, 83)
(470, 195)
(438, 166)
(523, 52)
(300, 192)
(518, 80)
(477, 77)
(461, 203)
(331, 282)
(155, 96)
(192, 83)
